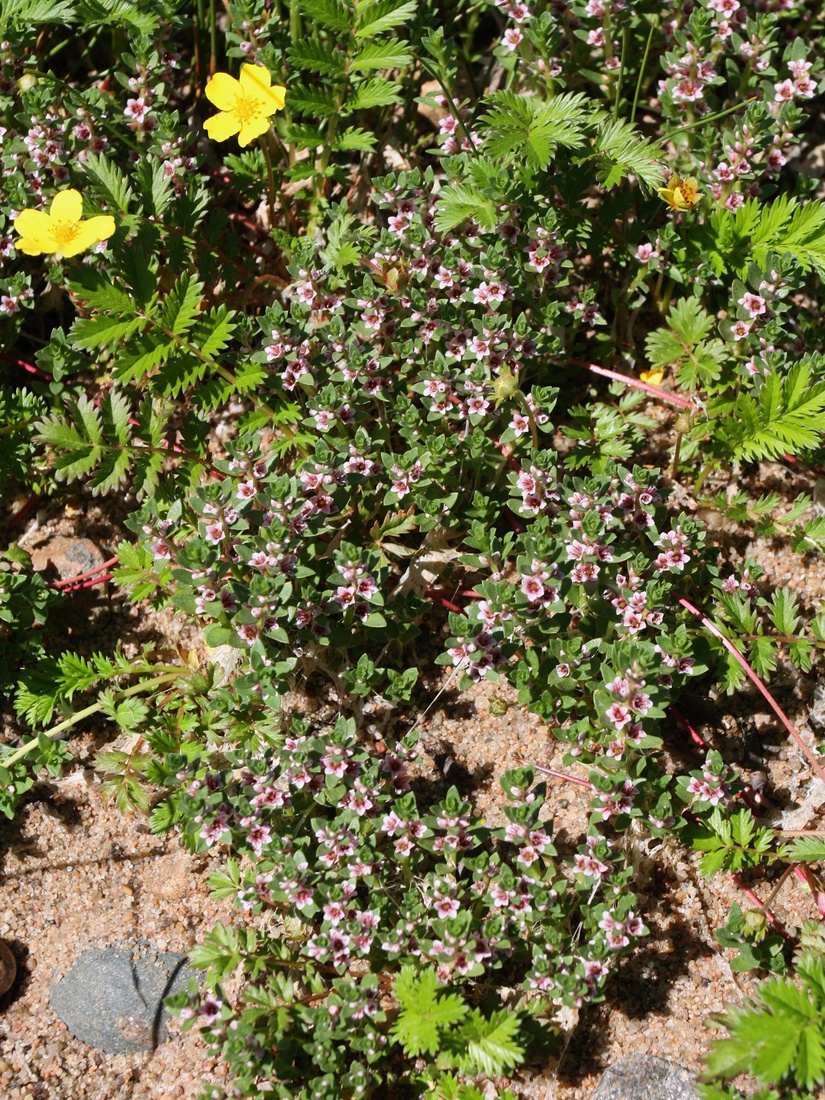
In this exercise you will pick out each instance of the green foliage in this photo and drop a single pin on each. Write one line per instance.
(443, 1027)
(777, 1036)
(757, 946)
(683, 345)
(525, 129)
(730, 843)
(756, 229)
(785, 417)
(424, 1015)
(331, 391)
(19, 409)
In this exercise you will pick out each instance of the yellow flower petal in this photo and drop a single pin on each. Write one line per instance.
(255, 79)
(222, 126)
(223, 90)
(277, 96)
(33, 223)
(36, 246)
(652, 377)
(103, 226)
(89, 234)
(67, 206)
(253, 129)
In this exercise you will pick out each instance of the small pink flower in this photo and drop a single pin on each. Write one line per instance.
(755, 305)
(512, 38)
(784, 92)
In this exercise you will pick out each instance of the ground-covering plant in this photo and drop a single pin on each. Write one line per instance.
(361, 307)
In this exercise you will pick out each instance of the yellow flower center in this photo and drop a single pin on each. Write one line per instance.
(65, 233)
(247, 107)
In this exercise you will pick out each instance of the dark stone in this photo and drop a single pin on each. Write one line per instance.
(113, 1000)
(643, 1077)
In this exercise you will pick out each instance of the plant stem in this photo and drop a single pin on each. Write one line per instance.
(213, 39)
(620, 81)
(702, 478)
(706, 118)
(54, 733)
(525, 404)
(638, 91)
(263, 141)
(775, 707)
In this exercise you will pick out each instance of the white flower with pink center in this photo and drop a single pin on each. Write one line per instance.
(618, 715)
(753, 303)
(512, 39)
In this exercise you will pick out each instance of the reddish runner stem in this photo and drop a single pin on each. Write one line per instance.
(638, 384)
(775, 707)
(89, 573)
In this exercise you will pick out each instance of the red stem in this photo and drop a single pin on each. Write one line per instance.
(18, 517)
(749, 894)
(638, 384)
(28, 367)
(89, 573)
(697, 738)
(775, 707)
(563, 775)
(71, 586)
(805, 874)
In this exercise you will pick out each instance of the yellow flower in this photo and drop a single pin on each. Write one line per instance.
(61, 232)
(680, 194)
(652, 377)
(245, 105)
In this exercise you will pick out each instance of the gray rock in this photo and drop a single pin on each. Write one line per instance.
(643, 1077)
(113, 1000)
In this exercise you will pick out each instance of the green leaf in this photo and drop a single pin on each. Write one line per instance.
(372, 17)
(111, 179)
(460, 201)
(182, 304)
(489, 1044)
(783, 611)
(354, 140)
(807, 849)
(315, 102)
(384, 54)
(682, 345)
(32, 13)
(96, 289)
(314, 56)
(375, 92)
(156, 188)
(423, 1012)
(330, 14)
(786, 417)
(622, 151)
(526, 128)
(763, 653)
(214, 331)
(102, 331)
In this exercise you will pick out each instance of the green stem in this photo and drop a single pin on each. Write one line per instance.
(620, 81)
(199, 23)
(54, 733)
(702, 478)
(263, 141)
(213, 38)
(638, 92)
(706, 118)
(674, 469)
(522, 400)
(454, 111)
(294, 22)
